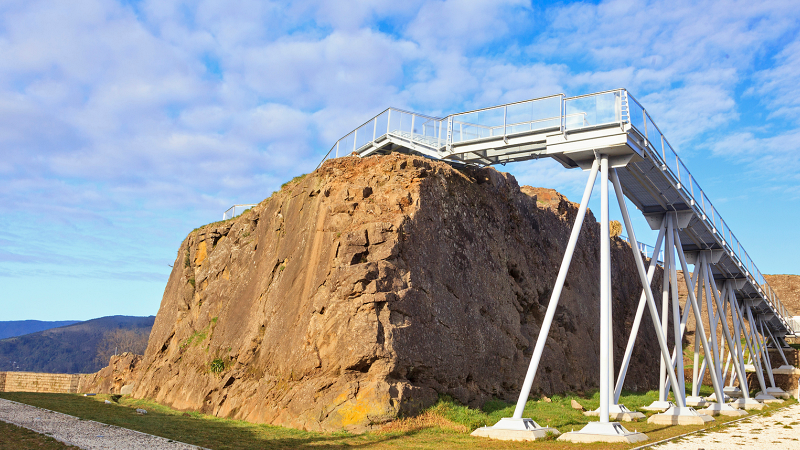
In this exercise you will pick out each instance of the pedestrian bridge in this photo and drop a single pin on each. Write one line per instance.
(572, 130)
(610, 133)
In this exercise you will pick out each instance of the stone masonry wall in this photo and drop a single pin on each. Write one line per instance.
(38, 382)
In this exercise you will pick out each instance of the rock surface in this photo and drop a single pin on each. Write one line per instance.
(122, 371)
(371, 286)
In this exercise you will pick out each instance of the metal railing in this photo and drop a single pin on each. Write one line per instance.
(686, 184)
(647, 250)
(232, 211)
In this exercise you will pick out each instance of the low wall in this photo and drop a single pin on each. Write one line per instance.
(38, 382)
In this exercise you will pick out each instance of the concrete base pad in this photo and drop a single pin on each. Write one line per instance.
(603, 432)
(732, 392)
(778, 393)
(513, 435)
(696, 401)
(680, 416)
(751, 404)
(767, 398)
(717, 409)
(658, 406)
(617, 413)
(786, 370)
(510, 429)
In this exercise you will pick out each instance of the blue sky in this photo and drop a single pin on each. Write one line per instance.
(125, 125)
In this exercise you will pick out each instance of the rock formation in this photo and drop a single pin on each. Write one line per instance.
(366, 289)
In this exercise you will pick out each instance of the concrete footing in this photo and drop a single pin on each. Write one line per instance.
(658, 406)
(603, 432)
(713, 398)
(696, 402)
(732, 391)
(767, 398)
(510, 429)
(680, 416)
(721, 409)
(785, 370)
(778, 393)
(618, 413)
(749, 404)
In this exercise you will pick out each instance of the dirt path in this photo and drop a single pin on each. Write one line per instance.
(780, 430)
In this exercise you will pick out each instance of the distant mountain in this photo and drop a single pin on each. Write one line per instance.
(13, 328)
(82, 347)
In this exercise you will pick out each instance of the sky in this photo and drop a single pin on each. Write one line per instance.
(124, 125)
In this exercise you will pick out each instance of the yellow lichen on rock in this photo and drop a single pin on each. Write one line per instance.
(202, 253)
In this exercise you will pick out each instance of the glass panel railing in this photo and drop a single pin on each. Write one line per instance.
(637, 114)
(533, 115)
(696, 191)
(382, 124)
(670, 158)
(684, 177)
(706, 204)
(591, 110)
(347, 144)
(364, 134)
(480, 124)
(653, 134)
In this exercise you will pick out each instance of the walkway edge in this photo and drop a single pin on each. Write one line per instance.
(92, 421)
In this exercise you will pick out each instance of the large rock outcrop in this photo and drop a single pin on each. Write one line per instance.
(369, 287)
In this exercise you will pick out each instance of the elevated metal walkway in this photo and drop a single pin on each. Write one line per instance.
(573, 131)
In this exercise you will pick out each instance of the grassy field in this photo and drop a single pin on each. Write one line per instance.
(445, 425)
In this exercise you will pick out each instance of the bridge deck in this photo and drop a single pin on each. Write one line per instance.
(571, 130)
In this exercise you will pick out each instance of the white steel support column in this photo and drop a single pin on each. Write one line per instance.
(709, 354)
(676, 303)
(751, 344)
(762, 343)
(651, 270)
(605, 430)
(778, 345)
(516, 427)
(712, 301)
(774, 390)
(605, 299)
(696, 366)
(556, 294)
(680, 414)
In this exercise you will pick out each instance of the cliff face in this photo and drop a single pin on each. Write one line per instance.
(787, 287)
(367, 288)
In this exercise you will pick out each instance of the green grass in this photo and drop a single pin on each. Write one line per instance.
(444, 425)
(18, 438)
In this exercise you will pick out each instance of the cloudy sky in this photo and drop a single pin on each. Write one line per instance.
(126, 124)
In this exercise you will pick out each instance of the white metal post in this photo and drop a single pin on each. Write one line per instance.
(709, 354)
(697, 319)
(605, 301)
(651, 304)
(765, 352)
(651, 270)
(556, 294)
(676, 307)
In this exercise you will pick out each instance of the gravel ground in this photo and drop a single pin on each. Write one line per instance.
(781, 430)
(86, 434)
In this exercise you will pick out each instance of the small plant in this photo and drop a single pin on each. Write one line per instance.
(187, 261)
(217, 365)
(191, 281)
(281, 267)
(214, 319)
